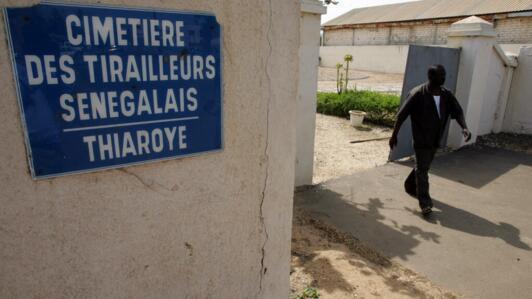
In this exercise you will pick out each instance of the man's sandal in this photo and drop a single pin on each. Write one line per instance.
(426, 211)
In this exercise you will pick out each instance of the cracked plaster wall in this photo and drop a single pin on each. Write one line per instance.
(213, 226)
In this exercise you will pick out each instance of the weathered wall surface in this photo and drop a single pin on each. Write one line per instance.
(338, 37)
(423, 34)
(518, 118)
(514, 30)
(371, 36)
(212, 226)
(509, 31)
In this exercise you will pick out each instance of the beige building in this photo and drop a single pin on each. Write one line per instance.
(427, 22)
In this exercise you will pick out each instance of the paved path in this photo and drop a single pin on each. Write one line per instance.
(478, 240)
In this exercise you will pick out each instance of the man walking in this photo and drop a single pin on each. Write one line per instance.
(429, 106)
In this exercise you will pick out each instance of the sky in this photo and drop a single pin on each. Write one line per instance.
(346, 5)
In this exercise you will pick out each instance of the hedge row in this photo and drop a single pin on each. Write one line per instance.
(380, 107)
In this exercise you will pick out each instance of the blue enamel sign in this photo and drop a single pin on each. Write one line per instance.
(102, 87)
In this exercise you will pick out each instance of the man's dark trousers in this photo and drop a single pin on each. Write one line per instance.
(417, 182)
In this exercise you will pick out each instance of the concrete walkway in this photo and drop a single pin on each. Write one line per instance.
(478, 241)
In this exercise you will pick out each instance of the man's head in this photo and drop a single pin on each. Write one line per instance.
(436, 74)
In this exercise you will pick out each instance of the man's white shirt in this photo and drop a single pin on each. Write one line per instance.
(437, 102)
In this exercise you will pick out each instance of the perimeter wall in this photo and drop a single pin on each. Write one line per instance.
(212, 226)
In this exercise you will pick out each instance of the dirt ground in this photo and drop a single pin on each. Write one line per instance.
(508, 141)
(384, 82)
(335, 155)
(338, 266)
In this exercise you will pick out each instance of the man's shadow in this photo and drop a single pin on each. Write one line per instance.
(461, 220)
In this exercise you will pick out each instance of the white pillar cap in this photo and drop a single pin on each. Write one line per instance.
(472, 26)
(313, 7)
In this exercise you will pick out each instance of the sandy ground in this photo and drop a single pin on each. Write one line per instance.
(335, 155)
(338, 266)
(383, 82)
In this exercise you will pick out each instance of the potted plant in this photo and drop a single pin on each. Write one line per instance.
(356, 117)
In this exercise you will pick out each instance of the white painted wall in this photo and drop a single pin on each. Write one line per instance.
(476, 38)
(518, 118)
(387, 59)
(212, 226)
(496, 76)
(310, 22)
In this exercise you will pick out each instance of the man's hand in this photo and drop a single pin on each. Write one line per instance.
(393, 141)
(467, 135)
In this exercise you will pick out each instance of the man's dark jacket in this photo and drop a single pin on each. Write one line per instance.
(427, 126)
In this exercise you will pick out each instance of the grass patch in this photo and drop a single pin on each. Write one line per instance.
(380, 107)
(308, 293)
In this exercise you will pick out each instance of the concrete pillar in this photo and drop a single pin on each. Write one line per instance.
(476, 37)
(311, 11)
(510, 62)
(215, 225)
(517, 115)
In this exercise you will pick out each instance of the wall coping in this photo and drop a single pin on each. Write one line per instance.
(313, 7)
(508, 60)
(472, 26)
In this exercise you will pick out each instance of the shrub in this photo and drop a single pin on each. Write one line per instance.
(380, 108)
